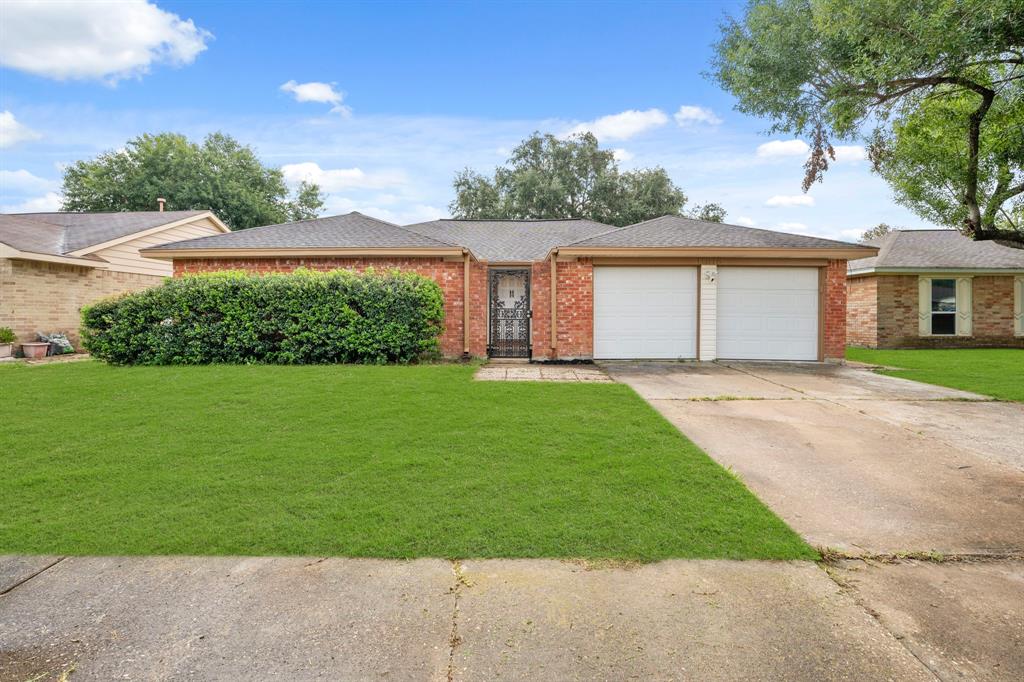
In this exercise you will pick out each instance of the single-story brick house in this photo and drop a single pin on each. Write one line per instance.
(936, 289)
(576, 289)
(53, 264)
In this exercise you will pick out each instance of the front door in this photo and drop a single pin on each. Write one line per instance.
(509, 303)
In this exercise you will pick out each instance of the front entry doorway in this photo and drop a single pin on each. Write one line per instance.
(508, 334)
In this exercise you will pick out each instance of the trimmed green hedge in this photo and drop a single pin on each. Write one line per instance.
(301, 318)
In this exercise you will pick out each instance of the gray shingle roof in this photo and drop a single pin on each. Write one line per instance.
(31, 235)
(82, 230)
(352, 230)
(673, 231)
(510, 240)
(938, 249)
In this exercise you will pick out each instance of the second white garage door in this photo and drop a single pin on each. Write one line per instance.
(645, 312)
(767, 313)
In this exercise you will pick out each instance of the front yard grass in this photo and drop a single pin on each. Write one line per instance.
(358, 461)
(997, 372)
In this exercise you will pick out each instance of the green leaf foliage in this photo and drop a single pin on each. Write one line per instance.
(304, 317)
(549, 177)
(934, 86)
(221, 175)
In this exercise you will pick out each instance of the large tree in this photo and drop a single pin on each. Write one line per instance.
(220, 174)
(935, 87)
(548, 177)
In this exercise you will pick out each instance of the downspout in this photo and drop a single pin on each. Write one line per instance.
(554, 305)
(465, 303)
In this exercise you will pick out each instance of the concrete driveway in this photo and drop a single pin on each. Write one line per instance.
(874, 465)
(854, 460)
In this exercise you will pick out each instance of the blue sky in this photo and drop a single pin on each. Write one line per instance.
(383, 103)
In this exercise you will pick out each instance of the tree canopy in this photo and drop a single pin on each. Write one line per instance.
(934, 87)
(879, 230)
(548, 177)
(220, 174)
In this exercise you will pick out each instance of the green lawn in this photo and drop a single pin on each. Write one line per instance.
(998, 372)
(358, 461)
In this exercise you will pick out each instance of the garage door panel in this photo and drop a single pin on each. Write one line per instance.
(645, 312)
(767, 313)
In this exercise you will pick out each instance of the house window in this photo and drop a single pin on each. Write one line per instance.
(943, 307)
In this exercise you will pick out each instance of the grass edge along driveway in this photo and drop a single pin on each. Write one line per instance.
(996, 372)
(390, 462)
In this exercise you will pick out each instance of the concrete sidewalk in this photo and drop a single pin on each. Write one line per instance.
(228, 618)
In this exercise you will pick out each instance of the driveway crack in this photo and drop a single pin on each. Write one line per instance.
(849, 589)
(39, 572)
(454, 638)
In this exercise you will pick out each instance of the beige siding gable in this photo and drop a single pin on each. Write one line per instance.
(125, 257)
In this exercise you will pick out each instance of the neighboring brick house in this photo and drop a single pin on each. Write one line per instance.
(53, 264)
(936, 289)
(667, 288)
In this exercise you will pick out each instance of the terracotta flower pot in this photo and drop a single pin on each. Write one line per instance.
(34, 350)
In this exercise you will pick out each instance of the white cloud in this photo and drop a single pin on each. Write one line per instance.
(12, 132)
(790, 200)
(852, 152)
(622, 154)
(744, 220)
(23, 182)
(689, 115)
(793, 227)
(105, 40)
(336, 179)
(47, 203)
(782, 148)
(622, 126)
(318, 92)
(852, 235)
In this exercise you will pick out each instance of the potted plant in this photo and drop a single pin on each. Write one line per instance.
(7, 339)
(35, 349)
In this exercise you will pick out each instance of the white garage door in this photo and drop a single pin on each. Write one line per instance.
(768, 313)
(645, 312)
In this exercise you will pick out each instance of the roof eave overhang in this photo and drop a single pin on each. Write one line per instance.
(305, 252)
(7, 251)
(930, 270)
(838, 253)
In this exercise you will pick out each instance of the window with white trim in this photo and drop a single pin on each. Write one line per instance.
(943, 299)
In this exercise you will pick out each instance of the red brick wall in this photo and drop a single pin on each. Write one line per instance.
(835, 310)
(576, 308)
(862, 311)
(992, 314)
(575, 319)
(448, 274)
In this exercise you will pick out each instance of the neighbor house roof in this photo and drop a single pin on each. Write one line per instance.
(69, 237)
(510, 240)
(936, 250)
(336, 234)
(85, 229)
(675, 232)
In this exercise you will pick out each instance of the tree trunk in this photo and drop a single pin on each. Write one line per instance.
(975, 227)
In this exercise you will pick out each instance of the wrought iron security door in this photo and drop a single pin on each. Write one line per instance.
(509, 333)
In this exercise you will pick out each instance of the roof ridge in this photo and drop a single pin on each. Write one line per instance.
(508, 220)
(601, 234)
(408, 228)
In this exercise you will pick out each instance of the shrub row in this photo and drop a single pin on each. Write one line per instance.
(301, 318)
